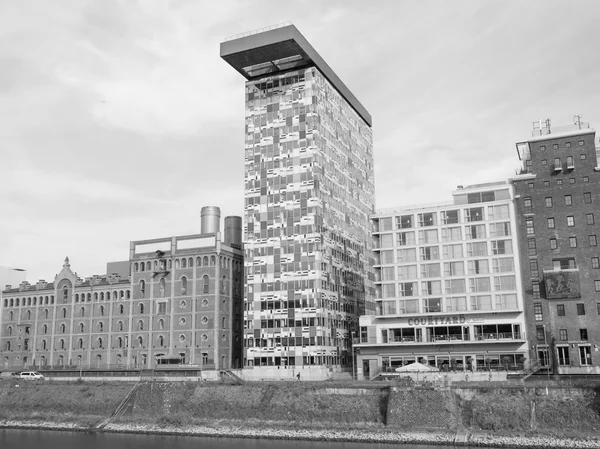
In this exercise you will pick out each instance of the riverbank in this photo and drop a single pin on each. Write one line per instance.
(307, 434)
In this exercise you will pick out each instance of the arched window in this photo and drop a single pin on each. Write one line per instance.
(63, 328)
(46, 313)
(120, 342)
(142, 266)
(223, 323)
(96, 296)
(135, 267)
(161, 340)
(141, 308)
(191, 262)
(10, 315)
(18, 302)
(205, 261)
(223, 284)
(80, 343)
(148, 266)
(65, 293)
(81, 327)
(102, 310)
(142, 288)
(100, 326)
(141, 341)
(77, 297)
(169, 264)
(8, 345)
(140, 325)
(100, 342)
(184, 285)
(161, 324)
(45, 329)
(177, 264)
(212, 261)
(121, 309)
(120, 325)
(205, 284)
(64, 313)
(198, 261)
(183, 263)
(162, 283)
(121, 294)
(61, 360)
(82, 311)
(44, 345)
(51, 299)
(9, 330)
(62, 344)
(43, 360)
(89, 297)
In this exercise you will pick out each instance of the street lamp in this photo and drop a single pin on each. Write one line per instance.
(352, 346)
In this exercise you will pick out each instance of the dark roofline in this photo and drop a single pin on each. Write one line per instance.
(278, 43)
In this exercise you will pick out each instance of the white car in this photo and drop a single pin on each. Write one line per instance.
(31, 375)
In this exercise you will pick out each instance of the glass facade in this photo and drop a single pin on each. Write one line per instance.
(309, 194)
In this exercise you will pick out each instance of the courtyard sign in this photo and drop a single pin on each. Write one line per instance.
(438, 320)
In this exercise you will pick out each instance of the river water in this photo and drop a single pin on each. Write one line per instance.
(41, 439)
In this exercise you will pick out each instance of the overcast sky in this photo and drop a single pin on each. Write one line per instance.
(119, 120)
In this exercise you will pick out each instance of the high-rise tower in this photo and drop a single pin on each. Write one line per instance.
(309, 192)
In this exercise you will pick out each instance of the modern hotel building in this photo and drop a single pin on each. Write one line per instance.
(309, 195)
(448, 283)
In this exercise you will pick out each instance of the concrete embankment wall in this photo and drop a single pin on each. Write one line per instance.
(499, 408)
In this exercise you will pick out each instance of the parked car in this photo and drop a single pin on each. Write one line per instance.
(31, 375)
(16, 374)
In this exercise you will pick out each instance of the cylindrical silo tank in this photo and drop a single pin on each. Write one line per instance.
(233, 231)
(210, 220)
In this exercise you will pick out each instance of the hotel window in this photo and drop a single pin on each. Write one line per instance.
(563, 335)
(481, 302)
(451, 234)
(537, 312)
(428, 236)
(405, 238)
(531, 248)
(454, 269)
(408, 288)
(595, 262)
(429, 288)
(503, 265)
(557, 164)
(430, 253)
(535, 290)
(386, 256)
(563, 355)
(548, 201)
(504, 283)
(427, 219)
(479, 266)
(477, 249)
(479, 285)
(560, 309)
(474, 214)
(404, 222)
(407, 272)
(568, 200)
(553, 243)
(431, 270)
(456, 304)
(386, 240)
(475, 232)
(385, 224)
(506, 302)
(597, 286)
(450, 217)
(407, 255)
(500, 229)
(388, 291)
(529, 226)
(585, 355)
(587, 198)
(583, 334)
(408, 306)
(501, 247)
(580, 309)
(432, 305)
(387, 274)
(500, 212)
(589, 218)
(533, 268)
(456, 286)
(570, 220)
(593, 241)
(573, 242)
(527, 204)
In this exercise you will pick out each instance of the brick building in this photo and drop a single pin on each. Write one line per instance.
(176, 303)
(557, 198)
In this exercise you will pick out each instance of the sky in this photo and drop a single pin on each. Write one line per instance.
(119, 120)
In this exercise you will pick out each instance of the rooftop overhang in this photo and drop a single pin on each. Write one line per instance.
(278, 50)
